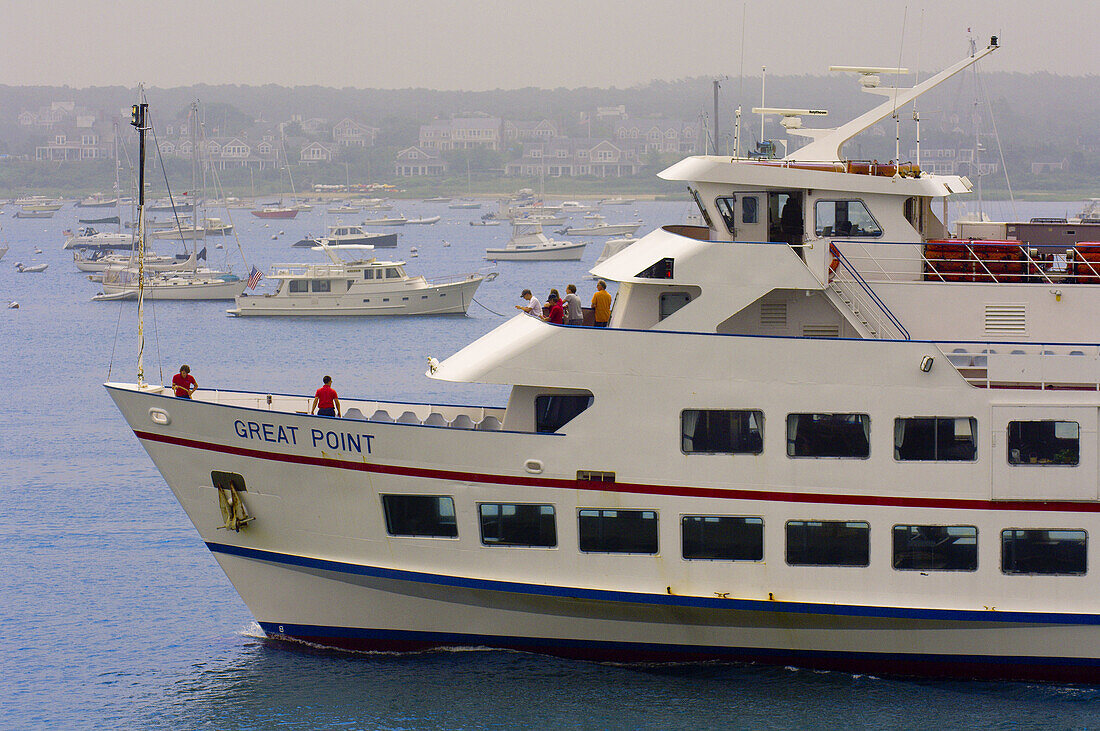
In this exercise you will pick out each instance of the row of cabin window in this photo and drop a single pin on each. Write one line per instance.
(932, 438)
(325, 285)
(838, 218)
(734, 538)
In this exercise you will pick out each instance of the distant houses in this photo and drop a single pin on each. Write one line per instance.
(416, 162)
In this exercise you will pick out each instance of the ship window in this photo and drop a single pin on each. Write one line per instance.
(420, 515)
(844, 218)
(936, 438)
(828, 543)
(505, 524)
(658, 270)
(829, 435)
(368, 274)
(553, 411)
(669, 302)
(299, 285)
(1044, 442)
(1047, 551)
(725, 205)
(714, 431)
(322, 285)
(698, 202)
(722, 538)
(748, 209)
(617, 531)
(935, 547)
(392, 273)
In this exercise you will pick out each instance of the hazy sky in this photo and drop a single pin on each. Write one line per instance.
(486, 44)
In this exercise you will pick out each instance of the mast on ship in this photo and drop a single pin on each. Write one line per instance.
(139, 119)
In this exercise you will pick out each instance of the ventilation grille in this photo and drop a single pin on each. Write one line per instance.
(773, 314)
(821, 331)
(1006, 319)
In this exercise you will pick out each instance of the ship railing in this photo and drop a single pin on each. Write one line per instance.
(484, 418)
(855, 292)
(1026, 365)
(994, 262)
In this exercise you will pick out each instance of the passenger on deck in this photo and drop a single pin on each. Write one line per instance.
(574, 312)
(183, 383)
(790, 221)
(325, 401)
(557, 313)
(533, 306)
(601, 305)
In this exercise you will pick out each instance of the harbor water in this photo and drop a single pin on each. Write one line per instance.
(114, 615)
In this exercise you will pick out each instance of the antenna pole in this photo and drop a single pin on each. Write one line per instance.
(737, 132)
(138, 118)
(763, 79)
(717, 149)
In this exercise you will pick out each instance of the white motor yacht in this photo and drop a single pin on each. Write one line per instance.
(529, 243)
(357, 287)
(89, 238)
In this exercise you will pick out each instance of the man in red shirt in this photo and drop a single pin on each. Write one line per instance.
(325, 402)
(183, 383)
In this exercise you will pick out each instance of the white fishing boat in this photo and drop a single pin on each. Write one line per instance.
(833, 447)
(341, 234)
(216, 227)
(34, 213)
(88, 237)
(357, 287)
(343, 209)
(576, 207)
(98, 200)
(603, 229)
(391, 221)
(529, 243)
(545, 219)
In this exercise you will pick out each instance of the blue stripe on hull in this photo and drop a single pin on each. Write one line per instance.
(952, 615)
(1049, 669)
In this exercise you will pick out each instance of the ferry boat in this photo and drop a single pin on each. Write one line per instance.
(349, 286)
(825, 439)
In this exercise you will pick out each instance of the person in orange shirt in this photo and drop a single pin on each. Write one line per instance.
(601, 305)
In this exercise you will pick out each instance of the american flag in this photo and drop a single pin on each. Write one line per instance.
(254, 277)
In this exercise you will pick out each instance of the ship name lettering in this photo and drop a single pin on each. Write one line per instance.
(344, 441)
(275, 433)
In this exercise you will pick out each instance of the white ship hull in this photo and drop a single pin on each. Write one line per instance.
(317, 563)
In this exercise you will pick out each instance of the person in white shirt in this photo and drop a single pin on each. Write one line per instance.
(533, 306)
(574, 314)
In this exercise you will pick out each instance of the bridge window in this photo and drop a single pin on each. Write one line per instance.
(658, 270)
(299, 285)
(617, 531)
(322, 285)
(702, 209)
(1047, 551)
(715, 431)
(936, 439)
(726, 206)
(1044, 442)
(428, 516)
(506, 524)
(935, 548)
(844, 219)
(722, 538)
(828, 543)
(553, 411)
(829, 435)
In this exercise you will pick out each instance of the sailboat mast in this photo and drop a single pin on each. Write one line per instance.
(194, 171)
(138, 118)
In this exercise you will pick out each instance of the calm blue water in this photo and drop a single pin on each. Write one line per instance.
(113, 614)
